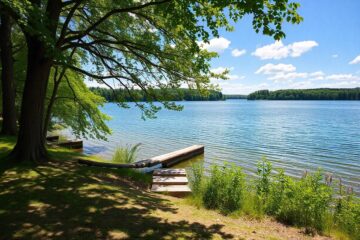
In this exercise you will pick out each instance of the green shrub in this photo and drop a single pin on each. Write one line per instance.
(281, 195)
(308, 202)
(347, 214)
(225, 189)
(234, 190)
(196, 179)
(264, 168)
(304, 203)
(126, 154)
(312, 201)
(262, 185)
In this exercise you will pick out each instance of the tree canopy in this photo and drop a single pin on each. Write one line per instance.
(138, 45)
(180, 94)
(145, 44)
(307, 94)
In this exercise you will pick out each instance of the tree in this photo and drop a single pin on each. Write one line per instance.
(308, 94)
(7, 76)
(139, 44)
(75, 106)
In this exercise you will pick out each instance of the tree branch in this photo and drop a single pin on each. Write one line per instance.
(67, 21)
(109, 14)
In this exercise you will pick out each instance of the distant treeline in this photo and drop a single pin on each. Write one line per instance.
(234, 96)
(307, 94)
(182, 94)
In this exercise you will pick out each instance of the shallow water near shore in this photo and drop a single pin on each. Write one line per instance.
(294, 135)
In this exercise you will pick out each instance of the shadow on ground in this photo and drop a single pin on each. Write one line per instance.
(65, 201)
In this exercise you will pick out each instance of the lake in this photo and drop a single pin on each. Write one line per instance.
(294, 135)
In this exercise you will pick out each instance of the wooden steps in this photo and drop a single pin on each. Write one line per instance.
(170, 172)
(171, 189)
(167, 180)
(173, 182)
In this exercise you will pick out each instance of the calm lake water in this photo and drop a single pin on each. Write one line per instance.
(294, 135)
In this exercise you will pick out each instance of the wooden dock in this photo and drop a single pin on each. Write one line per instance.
(73, 144)
(54, 138)
(165, 160)
(170, 159)
(173, 182)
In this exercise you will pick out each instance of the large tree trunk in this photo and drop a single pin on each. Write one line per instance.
(30, 145)
(7, 77)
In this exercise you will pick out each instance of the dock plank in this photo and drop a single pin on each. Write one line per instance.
(170, 180)
(165, 160)
(170, 188)
(73, 144)
(170, 159)
(169, 172)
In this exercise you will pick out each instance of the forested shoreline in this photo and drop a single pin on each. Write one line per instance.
(182, 94)
(235, 96)
(307, 94)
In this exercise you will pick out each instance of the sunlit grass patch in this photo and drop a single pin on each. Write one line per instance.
(6, 144)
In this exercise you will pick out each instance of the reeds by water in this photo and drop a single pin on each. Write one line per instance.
(316, 201)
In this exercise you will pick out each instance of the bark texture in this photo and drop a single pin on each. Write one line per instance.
(7, 77)
(30, 144)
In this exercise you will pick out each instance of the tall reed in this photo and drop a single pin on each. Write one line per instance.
(126, 154)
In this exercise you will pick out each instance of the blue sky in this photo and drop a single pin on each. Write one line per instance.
(322, 51)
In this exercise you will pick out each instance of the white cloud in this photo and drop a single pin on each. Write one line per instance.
(298, 48)
(215, 45)
(275, 68)
(219, 70)
(287, 72)
(237, 53)
(319, 75)
(287, 77)
(109, 82)
(301, 85)
(343, 77)
(278, 50)
(335, 56)
(235, 77)
(355, 60)
(229, 87)
(310, 84)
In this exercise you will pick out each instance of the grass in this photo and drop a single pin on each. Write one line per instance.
(62, 200)
(126, 154)
(311, 202)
